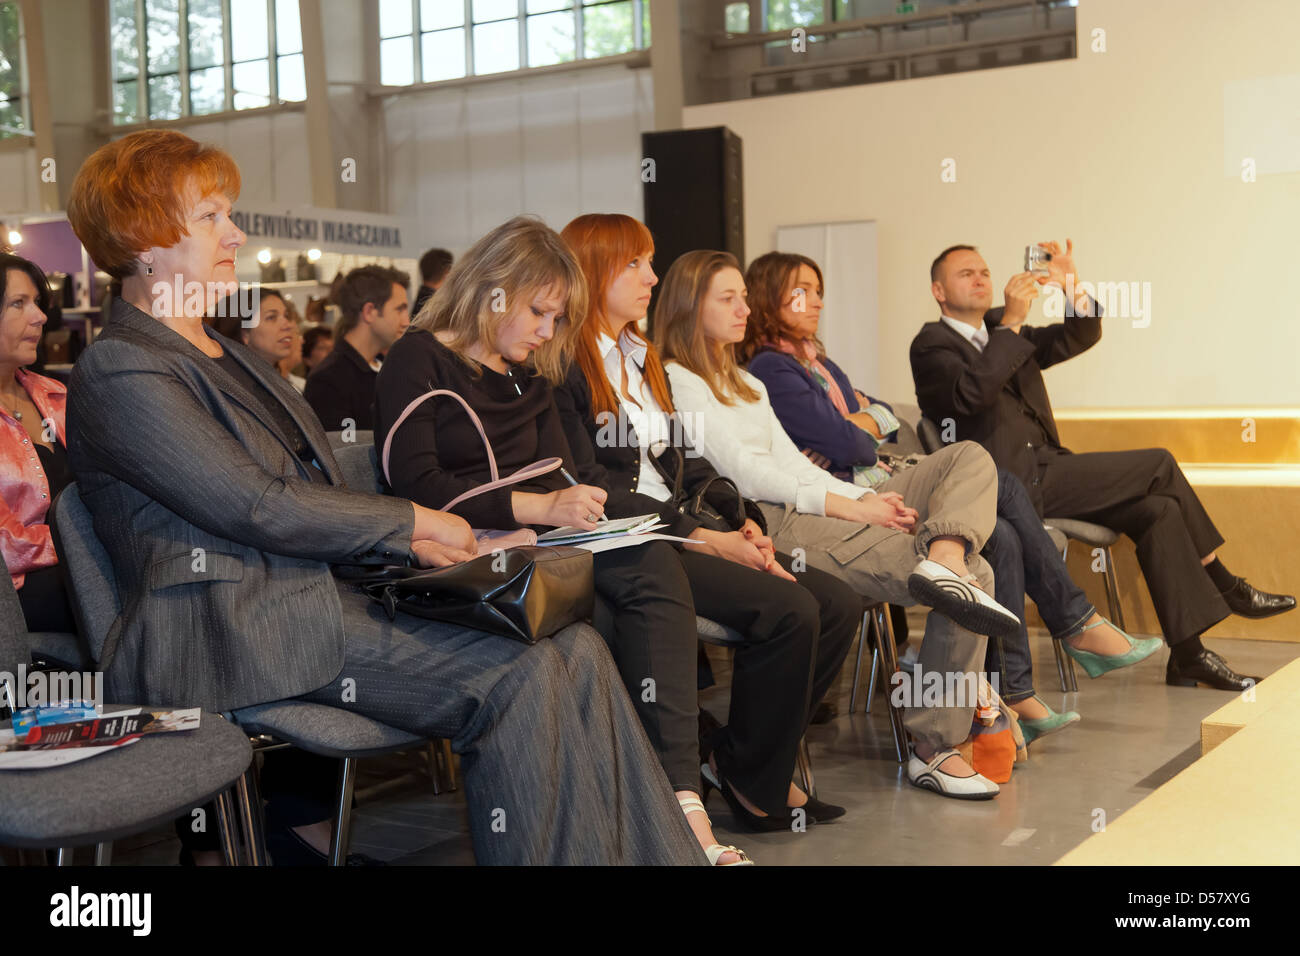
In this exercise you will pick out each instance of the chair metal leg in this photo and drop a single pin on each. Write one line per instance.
(871, 681)
(873, 633)
(889, 655)
(1112, 592)
(342, 830)
(431, 753)
(857, 668)
(449, 760)
(1064, 662)
(65, 855)
(804, 762)
(248, 800)
(104, 853)
(227, 827)
(1064, 668)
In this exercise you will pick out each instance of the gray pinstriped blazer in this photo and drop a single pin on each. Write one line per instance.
(172, 454)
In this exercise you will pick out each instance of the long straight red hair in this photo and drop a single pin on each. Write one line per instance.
(604, 244)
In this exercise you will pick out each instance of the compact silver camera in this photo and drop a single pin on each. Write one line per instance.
(1036, 260)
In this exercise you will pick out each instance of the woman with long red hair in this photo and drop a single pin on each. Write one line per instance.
(617, 411)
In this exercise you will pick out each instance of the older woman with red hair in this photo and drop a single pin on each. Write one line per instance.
(186, 445)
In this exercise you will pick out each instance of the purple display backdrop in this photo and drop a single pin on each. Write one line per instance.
(51, 245)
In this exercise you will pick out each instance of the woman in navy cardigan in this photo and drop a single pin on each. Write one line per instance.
(837, 441)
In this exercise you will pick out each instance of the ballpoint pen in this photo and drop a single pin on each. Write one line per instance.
(569, 478)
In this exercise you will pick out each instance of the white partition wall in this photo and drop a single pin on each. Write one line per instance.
(846, 252)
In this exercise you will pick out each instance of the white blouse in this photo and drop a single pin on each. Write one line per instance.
(746, 443)
(649, 421)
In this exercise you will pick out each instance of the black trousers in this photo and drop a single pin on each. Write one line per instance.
(1144, 494)
(45, 601)
(798, 636)
(643, 610)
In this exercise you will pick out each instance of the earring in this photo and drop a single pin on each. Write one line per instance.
(148, 270)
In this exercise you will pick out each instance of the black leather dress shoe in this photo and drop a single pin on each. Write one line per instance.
(1246, 601)
(1206, 668)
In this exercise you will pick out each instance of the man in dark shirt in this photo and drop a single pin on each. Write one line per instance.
(376, 311)
(978, 376)
(434, 266)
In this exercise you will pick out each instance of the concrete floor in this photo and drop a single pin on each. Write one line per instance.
(1135, 734)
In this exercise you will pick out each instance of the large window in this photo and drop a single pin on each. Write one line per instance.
(423, 41)
(231, 55)
(13, 99)
(788, 14)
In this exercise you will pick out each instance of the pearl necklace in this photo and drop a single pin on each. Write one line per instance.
(17, 412)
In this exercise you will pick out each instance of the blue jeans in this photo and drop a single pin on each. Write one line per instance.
(1024, 560)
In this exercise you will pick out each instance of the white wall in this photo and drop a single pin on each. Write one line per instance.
(19, 181)
(271, 151)
(464, 159)
(1123, 151)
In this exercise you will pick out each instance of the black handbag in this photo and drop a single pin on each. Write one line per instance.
(693, 502)
(525, 593)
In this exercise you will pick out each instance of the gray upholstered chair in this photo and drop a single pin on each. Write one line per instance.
(1068, 529)
(711, 632)
(118, 793)
(360, 467)
(323, 730)
(363, 437)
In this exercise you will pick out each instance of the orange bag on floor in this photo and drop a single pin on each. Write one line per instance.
(995, 743)
(993, 749)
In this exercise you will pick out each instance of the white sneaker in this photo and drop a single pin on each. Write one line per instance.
(928, 776)
(961, 599)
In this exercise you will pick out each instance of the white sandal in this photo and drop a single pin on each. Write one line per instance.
(693, 804)
(928, 776)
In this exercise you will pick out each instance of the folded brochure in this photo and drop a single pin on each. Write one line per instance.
(614, 528)
(46, 745)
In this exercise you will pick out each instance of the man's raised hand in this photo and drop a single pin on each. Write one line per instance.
(1020, 293)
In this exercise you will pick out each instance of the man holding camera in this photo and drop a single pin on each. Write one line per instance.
(978, 376)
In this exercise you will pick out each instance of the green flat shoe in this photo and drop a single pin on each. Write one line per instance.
(1139, 649)
(1033, 728)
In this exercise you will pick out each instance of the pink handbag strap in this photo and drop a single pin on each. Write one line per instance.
(534, 470)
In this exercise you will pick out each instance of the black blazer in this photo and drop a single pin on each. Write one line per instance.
(608, 456)
(997, 397)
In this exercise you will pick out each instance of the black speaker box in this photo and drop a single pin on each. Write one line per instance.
(694, 195)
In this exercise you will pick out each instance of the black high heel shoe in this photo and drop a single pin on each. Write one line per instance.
(750, 821)
(821, 812)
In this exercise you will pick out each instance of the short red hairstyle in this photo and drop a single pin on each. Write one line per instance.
(604, 244)
(130, 195)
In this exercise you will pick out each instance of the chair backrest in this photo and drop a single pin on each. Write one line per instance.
(358, 437)
(906, 441)
(93, 595)
(928, 432)
(14, 647)
(359, 467)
